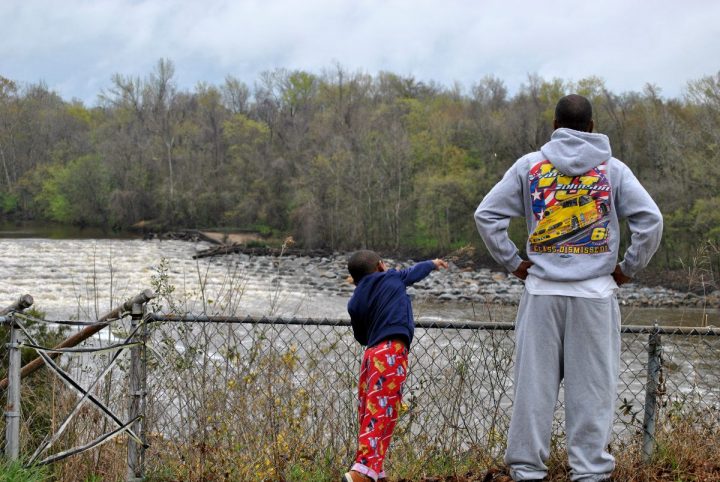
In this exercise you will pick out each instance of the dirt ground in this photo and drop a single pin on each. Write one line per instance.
(492, 475)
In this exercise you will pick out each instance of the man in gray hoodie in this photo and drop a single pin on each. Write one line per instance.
(572, 194)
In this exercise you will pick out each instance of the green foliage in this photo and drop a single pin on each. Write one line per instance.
(76, 193)
(299, 89)
(244, 134)
(15, 472)
(255, 244)
(706, 216)
(80, 113)
(340, 159)
(94, 478)
(311, 473)
(162, 286)
(443, 213)
(9, 202)
(263, 229)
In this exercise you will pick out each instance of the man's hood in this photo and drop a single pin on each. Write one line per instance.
(574, 152)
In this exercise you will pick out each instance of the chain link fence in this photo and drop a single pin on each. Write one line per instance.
(71, 410)
(230, 398)
(262, 398)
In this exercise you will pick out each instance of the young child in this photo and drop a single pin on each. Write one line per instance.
(382, 319)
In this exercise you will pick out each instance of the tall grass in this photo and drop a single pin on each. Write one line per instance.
(15, 472)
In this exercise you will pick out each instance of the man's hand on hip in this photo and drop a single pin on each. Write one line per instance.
(522, 270)
(620, 277)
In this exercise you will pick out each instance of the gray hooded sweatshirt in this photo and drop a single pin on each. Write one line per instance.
(572, 194)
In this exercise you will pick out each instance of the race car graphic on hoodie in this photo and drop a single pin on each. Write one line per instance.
(571, 211)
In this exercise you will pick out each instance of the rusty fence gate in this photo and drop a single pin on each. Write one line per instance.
(204, 396)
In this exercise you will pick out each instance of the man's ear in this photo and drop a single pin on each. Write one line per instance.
(381, 266)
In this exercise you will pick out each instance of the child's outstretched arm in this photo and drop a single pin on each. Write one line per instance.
(419, 271)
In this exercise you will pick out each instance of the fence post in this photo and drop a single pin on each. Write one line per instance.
(136, 452)
(12, 410)
(654, 369)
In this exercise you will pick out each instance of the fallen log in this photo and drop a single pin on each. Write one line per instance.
(218, 250)
(261, 251)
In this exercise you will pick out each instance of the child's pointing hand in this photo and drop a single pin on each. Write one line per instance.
(440, 263)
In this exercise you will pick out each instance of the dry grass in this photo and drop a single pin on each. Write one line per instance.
(686, 452)
(255, 419)
(256, 422)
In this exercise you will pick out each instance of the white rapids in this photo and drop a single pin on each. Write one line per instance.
(82, 279)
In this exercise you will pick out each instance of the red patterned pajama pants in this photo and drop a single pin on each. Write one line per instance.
(382, 375)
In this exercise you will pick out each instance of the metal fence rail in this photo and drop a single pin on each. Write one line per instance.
(248, 399)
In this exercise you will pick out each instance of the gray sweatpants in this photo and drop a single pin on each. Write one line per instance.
(578, 340)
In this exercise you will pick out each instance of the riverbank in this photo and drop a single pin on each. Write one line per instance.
(457, 284)
(658, 288)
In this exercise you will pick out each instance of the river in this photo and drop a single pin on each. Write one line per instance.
(80, 274)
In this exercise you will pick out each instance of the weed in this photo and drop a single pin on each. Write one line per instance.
(15, 472)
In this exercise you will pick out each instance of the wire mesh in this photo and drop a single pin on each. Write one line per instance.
(690, 378)
(258, 399)
(52, 397)
(253, 399)
(248, 400)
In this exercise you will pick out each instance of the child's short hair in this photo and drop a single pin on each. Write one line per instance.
(362, 263)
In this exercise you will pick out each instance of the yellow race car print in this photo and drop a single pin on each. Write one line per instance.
(567, 218)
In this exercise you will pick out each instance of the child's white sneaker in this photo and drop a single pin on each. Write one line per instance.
(355, 476)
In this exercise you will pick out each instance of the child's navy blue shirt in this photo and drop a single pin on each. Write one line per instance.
(380, 307)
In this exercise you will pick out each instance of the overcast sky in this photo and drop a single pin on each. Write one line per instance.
(76, 46)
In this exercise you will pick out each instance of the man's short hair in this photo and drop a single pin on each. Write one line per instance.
(362, 263)
(574, 112)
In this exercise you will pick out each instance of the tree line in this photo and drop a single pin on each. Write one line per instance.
(338, 159)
